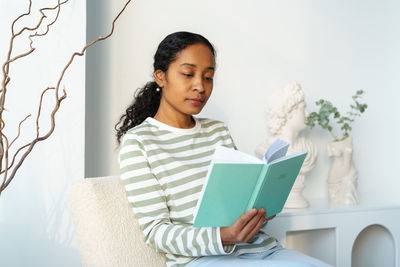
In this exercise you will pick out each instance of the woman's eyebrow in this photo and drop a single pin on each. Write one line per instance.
(195, 66)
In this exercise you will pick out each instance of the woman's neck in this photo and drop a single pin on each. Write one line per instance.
(175, 120)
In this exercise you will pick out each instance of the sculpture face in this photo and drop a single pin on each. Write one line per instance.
(297, 118)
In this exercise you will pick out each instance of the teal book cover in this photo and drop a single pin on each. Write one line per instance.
(237, 182)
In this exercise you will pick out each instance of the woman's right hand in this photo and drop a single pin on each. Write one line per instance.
(244, 228)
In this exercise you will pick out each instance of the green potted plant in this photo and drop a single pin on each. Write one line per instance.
(342, 177)
(328, 113)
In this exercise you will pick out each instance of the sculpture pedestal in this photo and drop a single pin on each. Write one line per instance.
(296, 199)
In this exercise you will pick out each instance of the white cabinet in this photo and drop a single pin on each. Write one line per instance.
(330, 232)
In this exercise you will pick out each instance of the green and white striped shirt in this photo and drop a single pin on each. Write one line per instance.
(163, 169)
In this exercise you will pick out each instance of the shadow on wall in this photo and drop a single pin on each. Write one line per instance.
(98, 62)
(380, 252)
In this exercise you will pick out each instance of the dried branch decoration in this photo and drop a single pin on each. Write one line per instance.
(12, 167)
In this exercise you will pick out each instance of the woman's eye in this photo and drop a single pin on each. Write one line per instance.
(209, 78)
(187, 74)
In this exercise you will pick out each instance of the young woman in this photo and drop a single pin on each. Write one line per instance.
(164, 157)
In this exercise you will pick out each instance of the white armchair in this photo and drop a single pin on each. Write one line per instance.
(107, 230)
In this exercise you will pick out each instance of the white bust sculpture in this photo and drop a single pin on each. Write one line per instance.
(342, 179)
(286, 119)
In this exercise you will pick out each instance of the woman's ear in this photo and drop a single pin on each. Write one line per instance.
(159, 77)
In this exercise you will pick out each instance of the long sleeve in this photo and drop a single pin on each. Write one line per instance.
(149, 202)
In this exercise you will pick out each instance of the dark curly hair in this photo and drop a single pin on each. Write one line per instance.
(147, 99)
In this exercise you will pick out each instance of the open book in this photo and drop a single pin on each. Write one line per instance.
(237, 182)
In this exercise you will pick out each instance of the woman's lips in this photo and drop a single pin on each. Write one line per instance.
(196, 101)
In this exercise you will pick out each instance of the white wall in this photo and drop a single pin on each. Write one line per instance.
(332, 48)
(35, 222)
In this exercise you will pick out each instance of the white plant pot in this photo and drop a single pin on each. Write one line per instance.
(342, 177)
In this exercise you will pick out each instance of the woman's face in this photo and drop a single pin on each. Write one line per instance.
(188, 82)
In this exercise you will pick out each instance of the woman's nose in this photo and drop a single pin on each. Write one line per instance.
(198, 84)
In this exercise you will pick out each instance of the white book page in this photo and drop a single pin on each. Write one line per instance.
(287, 157)
(276, 150)
(229, 155)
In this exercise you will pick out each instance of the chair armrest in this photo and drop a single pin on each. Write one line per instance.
(107, 230)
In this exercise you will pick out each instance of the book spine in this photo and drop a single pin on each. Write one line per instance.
(260, 182)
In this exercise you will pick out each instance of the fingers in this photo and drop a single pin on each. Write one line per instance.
(244, 219)
(255, 229)
(253, 226)
(234, 233)
(244, 228)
